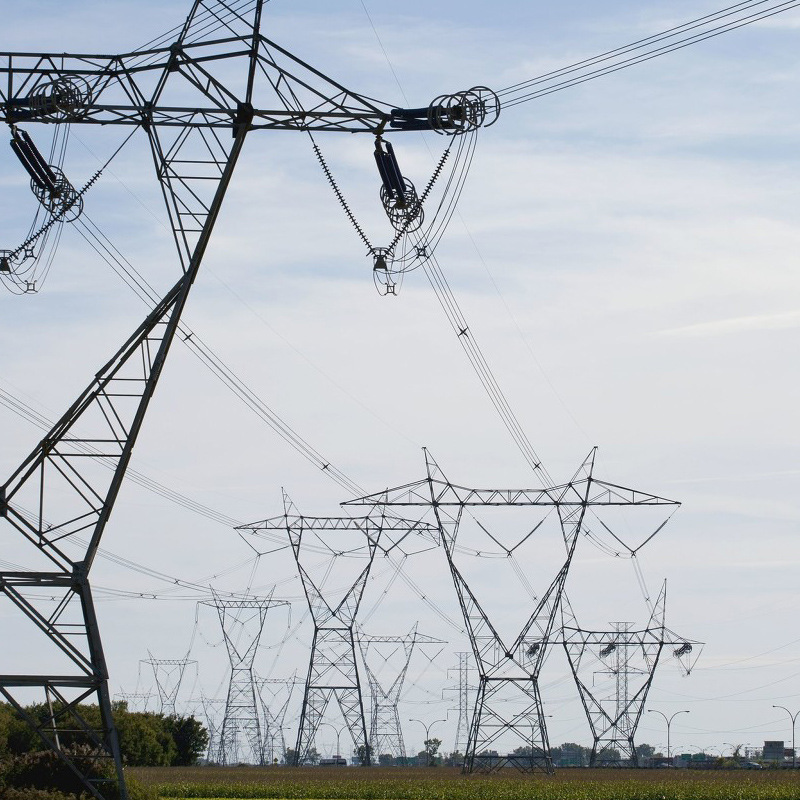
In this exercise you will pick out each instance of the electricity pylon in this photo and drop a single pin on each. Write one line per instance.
(196, 95)
(333, 668)
(463, 689)
(274, 712)
(242, 623)
(629, 657)
(509, 670)
(385, 731)
(134, 701)
(168, 675)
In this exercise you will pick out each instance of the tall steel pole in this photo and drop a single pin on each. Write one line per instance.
(669, 724)
(794, 719)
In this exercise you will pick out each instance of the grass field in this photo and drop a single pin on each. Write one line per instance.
(353, 783)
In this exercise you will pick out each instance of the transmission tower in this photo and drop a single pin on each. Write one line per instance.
(168, 674)
(274, 714)
(196, 95)
(509, 671)
(242, 623)
(463, 690)
(333, 668)
(385, 731)
(629, 657)
(135, 701)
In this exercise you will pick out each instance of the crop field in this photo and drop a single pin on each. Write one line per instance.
(352, 783)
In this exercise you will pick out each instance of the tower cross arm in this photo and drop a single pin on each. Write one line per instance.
(127, 89)
(439, 493)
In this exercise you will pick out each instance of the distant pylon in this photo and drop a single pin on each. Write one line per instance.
(509, 703)
(333, 668)
(630, 657)
(274, 709)
(463, 689)
(242, 623)
(386, 733)
(168, 675)
(135, 701)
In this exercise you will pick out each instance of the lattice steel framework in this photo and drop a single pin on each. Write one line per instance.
(463, 690)
(274, 714)
(333, 668)
(630, 658)
(168, 675)
(509, 671)
(195, 97)
(242, 623)
(385, 731)
(135, 701)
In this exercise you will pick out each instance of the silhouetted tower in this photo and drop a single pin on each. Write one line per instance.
(196, 92)
(629, 658)
(242, 623)
(385, 732)
(135, 701)
(508, 698)
(333, 668)
(168, 674)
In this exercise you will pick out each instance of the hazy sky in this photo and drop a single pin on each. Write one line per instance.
(625, 252)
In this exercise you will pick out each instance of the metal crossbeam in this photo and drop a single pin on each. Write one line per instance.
(509, 670)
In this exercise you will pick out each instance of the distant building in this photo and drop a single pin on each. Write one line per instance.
(775, 752)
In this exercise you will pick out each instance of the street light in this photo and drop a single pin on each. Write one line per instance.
(338, 732)
(793, 718)
(668, 720)
(427, 732)
(735, 748)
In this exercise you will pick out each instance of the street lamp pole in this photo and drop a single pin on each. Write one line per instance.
(427, 732)
(668, 720)
(338, 732)
(793, 717)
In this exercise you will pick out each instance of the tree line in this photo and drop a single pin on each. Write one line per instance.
(146, 739)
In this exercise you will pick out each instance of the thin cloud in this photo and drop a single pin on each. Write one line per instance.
(722, 327)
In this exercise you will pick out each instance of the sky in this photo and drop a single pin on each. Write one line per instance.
(624, 252)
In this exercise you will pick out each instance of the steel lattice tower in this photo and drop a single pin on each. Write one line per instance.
(463, 689)
(385, 731)
(630, 658)
(168, 675)
(135, 701)
(274, 713)
(509, 671)
(195, 95)
(242, 623)
(333, 668)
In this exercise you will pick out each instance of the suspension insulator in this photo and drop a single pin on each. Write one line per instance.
(48, 183)
(388, 167)
(40, 172)
(382, 273)
(63, 99)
